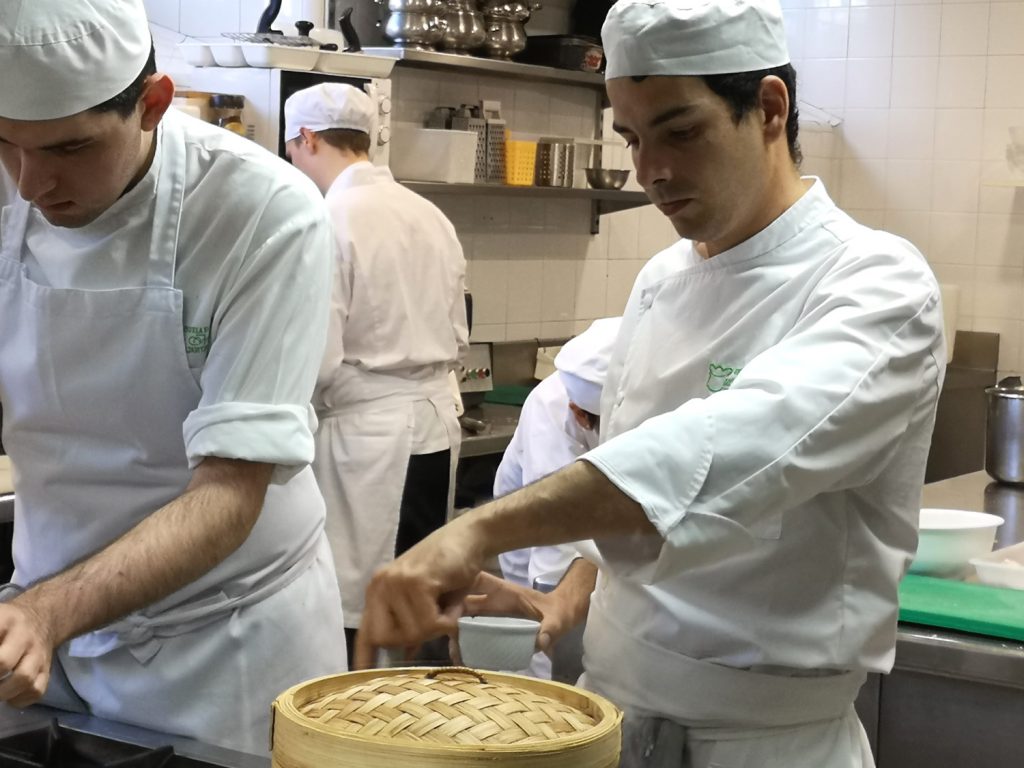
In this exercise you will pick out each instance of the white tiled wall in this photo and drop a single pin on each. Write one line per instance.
(929, 90)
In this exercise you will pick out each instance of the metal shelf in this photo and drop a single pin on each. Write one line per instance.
(602, 201)
(482, 66)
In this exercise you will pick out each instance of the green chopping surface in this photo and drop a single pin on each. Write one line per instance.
(508, 394)
(960, 605)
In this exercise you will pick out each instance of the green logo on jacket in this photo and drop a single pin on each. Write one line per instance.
(721, 377)
(197, 339)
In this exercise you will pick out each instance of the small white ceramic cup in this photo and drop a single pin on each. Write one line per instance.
(497, 643)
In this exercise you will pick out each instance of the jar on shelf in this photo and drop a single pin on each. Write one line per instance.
(226, 111)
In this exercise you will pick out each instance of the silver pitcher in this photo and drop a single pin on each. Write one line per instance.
(416, 24)
(464, 27)
(1004, 431)
(505, 20)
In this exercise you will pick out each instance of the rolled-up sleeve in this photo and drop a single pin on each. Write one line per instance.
(267, 342)
(824, 409)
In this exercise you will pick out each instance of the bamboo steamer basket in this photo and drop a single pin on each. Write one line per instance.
(452, 717)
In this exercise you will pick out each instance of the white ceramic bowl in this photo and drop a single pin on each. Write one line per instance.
(497, 643)
(949, 538)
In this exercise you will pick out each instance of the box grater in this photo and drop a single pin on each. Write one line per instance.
(467, 118)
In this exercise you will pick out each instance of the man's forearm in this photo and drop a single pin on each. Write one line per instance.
(169, 549)
(575, 503)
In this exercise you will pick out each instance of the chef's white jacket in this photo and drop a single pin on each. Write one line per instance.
(398, 307)
(547, 438)
(238, 300)
(771, 409)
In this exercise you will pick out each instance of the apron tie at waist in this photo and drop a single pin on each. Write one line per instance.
(143, 635)
(713, 699)
(369, 391)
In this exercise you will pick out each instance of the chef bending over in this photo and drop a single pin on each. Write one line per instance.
(765, 425)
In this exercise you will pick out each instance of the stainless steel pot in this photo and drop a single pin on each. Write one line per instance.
(464, 27)
(416, 24)
(505, 38)
(1004, 431)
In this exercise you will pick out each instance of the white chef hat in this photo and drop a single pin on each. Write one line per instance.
(326, 106)
(582, 363)
(61, 57)
(684, 37)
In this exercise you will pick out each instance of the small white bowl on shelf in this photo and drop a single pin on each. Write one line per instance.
(293, 57)
(949, 538)
(227, 54)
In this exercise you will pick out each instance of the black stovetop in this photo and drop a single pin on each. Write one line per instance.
(55, 746)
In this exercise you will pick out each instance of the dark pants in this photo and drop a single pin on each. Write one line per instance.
(424, 509)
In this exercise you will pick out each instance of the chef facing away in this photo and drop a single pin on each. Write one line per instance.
(389, 436)
(164, 293)
(765, 424)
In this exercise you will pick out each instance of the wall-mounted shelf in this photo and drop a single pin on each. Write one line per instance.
(481, 66)
(602, 201)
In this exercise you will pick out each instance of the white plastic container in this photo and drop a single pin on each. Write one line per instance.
(227, 54)
(949, 538)
(280, 56)
(197, 54)
(433, 154)
(1001, 568)
(354, 64)
(498, 643)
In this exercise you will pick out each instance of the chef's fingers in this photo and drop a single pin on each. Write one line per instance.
(34, 692)
(20, 683)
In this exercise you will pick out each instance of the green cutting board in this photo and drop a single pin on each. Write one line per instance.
(976, 608)
(508, 394)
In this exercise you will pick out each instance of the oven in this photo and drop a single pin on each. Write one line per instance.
(265, 91)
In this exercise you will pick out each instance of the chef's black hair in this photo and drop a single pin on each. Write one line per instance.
(125, 102)
(740, 91)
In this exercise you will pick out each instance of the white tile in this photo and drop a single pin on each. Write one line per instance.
(1000, 240)
(961, 81)
(597, 245)
(656, 232)
(522, 331)
(525, 289)
(911, 134)
(1003, 88)
(914, 82)
(489, 285)
(560, 329)
(457, 88)
(1009, 341)
(827, 32)
(964, 30)
(875, 219)
(864, 134)
(200, 18)
(822, 82)
(485, 333)
(952, 238)
(591, 289)
(996, 134)
(165, 13)
(999, 292)
(908, 185)
(955, 186)
(580, 326)
(795, 23)
(914, 226)
(868, 83)
(623, 234)
(559, 291)
(963, 276)
(862, 184)
(916, 31)
(491, 89)
(1008, 201)
(527, 214)
(871, 32)
(1006, 29)
(416, 84)
(958, 134)
(621, 276)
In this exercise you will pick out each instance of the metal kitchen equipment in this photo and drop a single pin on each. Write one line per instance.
(416, 24)
(1004, 430)
(464, 27)
(556, 160)
(505, 20)
(470, 118)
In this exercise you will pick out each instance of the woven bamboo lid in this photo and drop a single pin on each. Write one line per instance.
(447, 717)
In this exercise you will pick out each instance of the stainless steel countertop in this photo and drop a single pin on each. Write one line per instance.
(500, 421)
(17, 720)
(959, 654)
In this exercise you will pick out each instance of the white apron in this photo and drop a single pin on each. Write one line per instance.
(362, 455)
(696, 714)
(96, 387)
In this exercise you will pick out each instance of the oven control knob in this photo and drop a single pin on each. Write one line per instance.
(383, 135)
(385, 105)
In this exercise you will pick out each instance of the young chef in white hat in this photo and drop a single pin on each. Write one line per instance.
(164, 290)
(765, 425)
(559, 422)
(389, 436)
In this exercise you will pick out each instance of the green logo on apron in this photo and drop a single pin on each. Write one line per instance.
(197, 339)
(721, 377)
